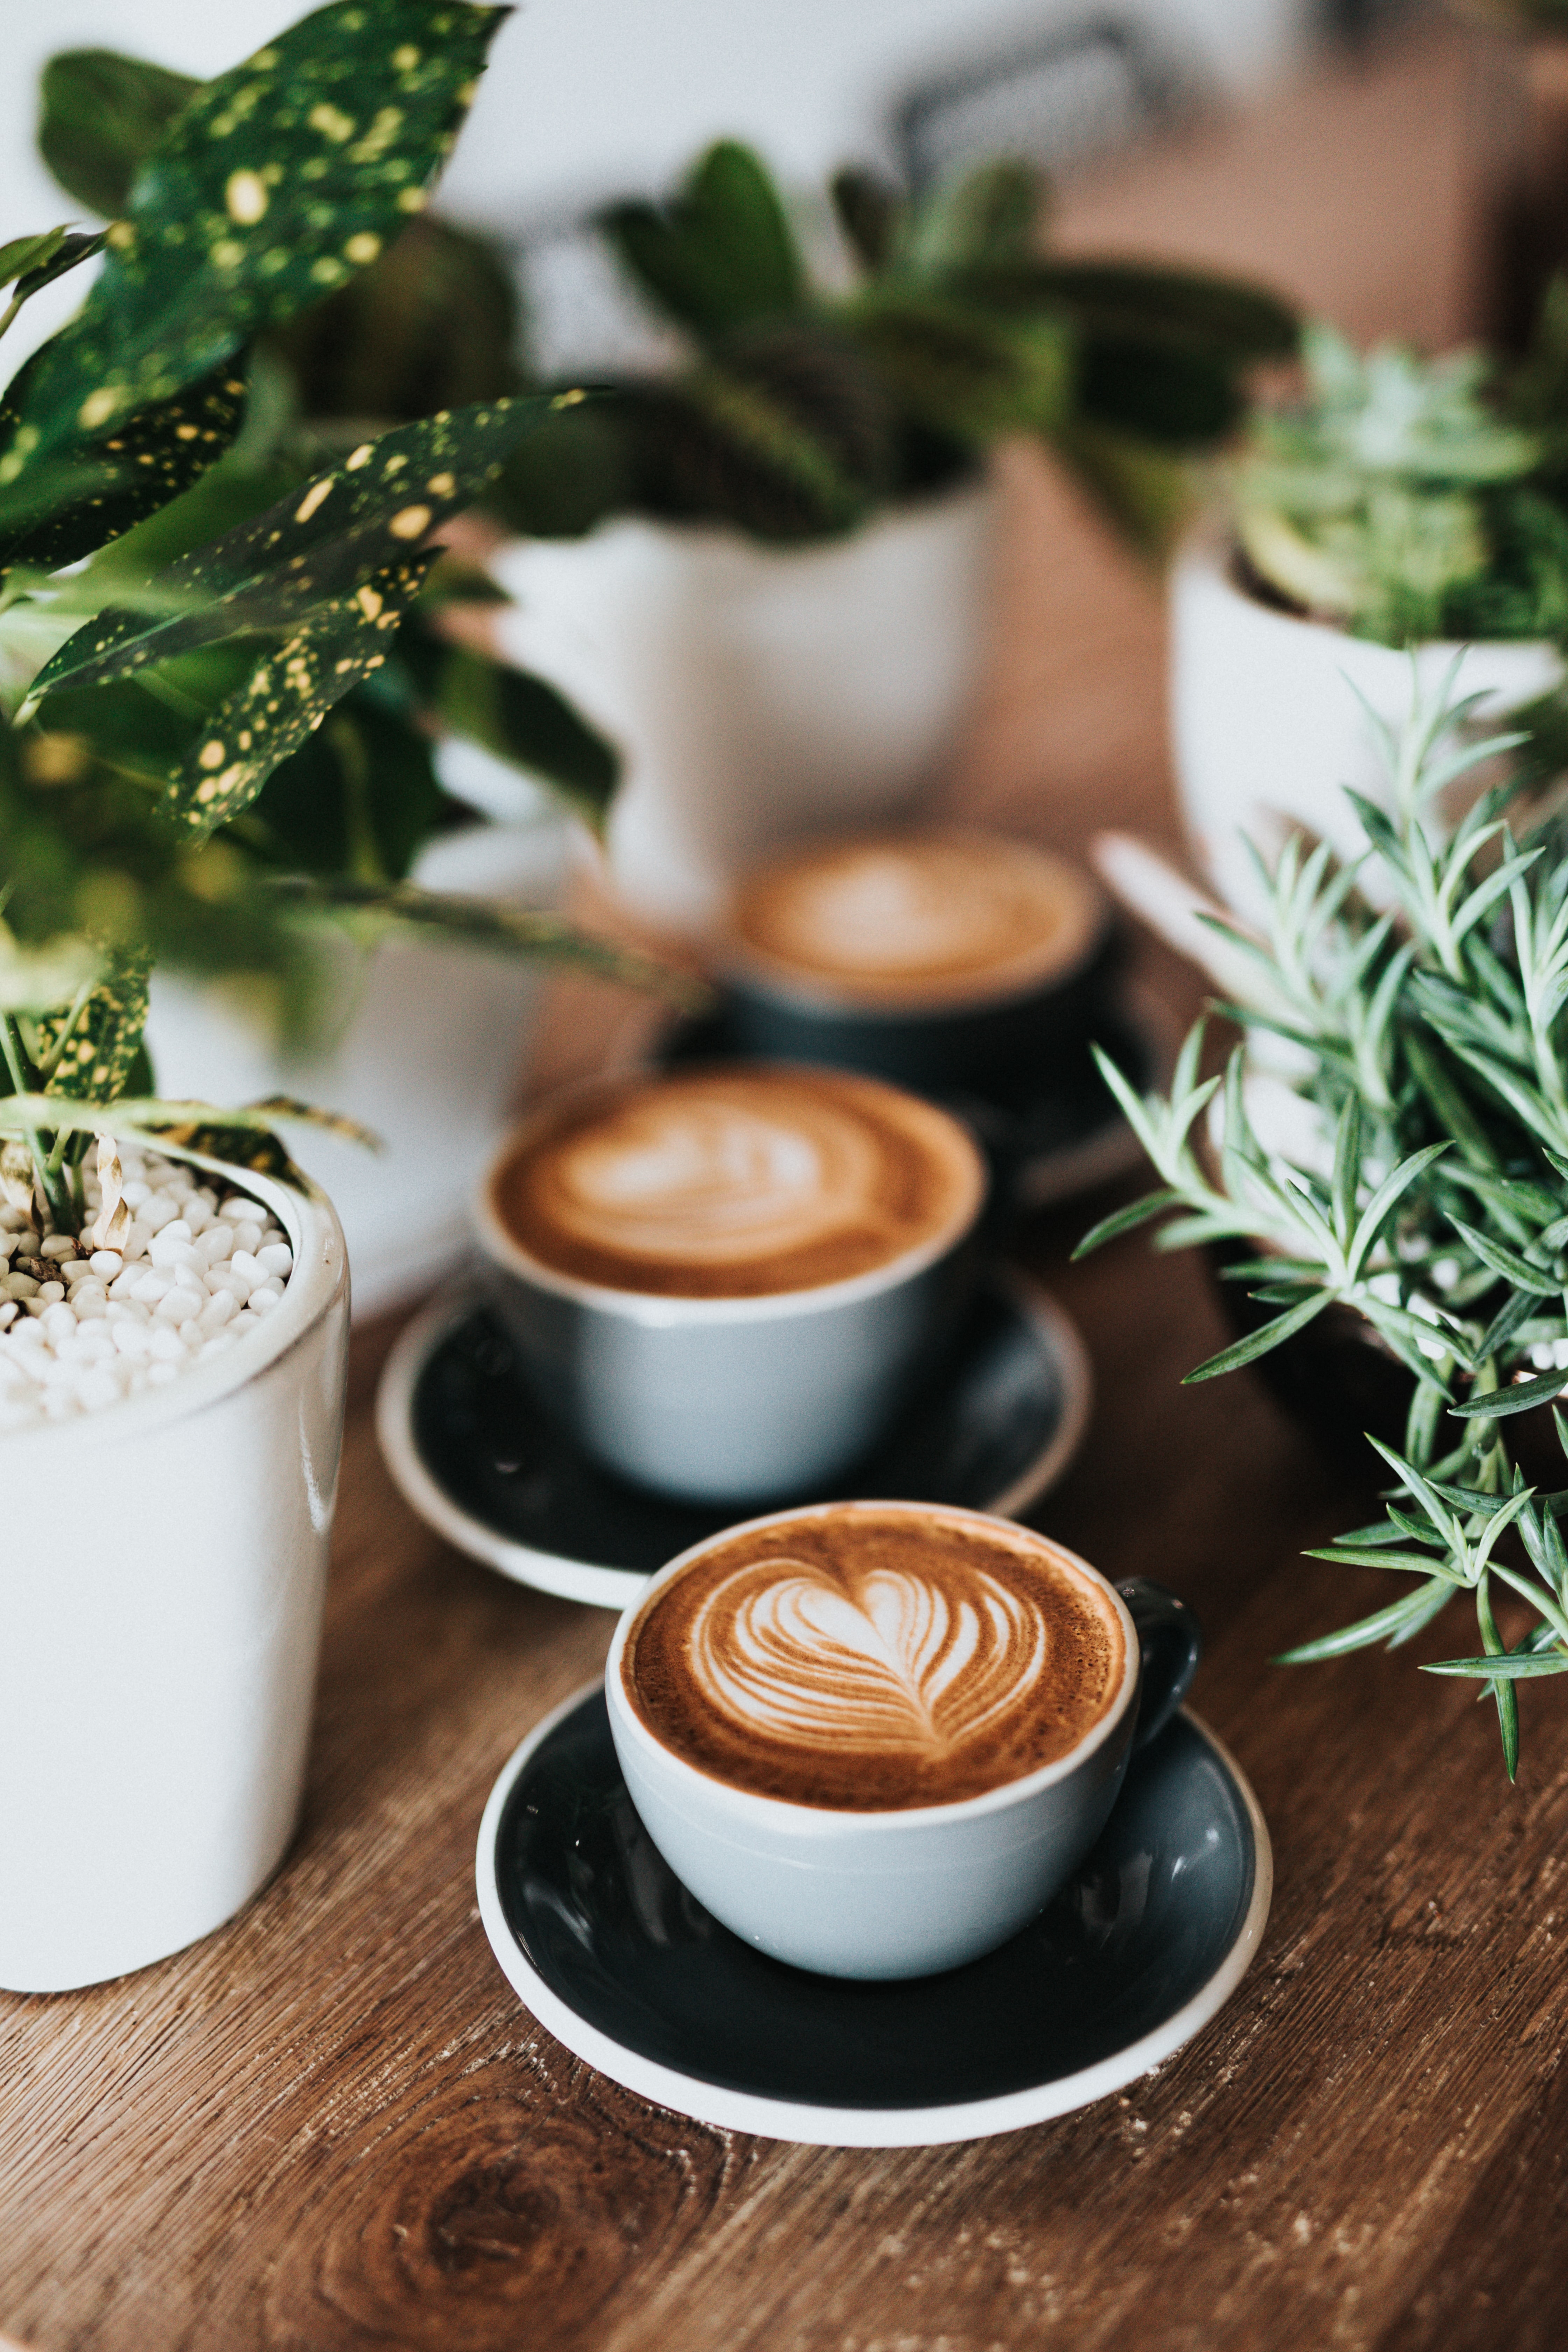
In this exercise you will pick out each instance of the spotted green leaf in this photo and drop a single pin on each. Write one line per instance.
(93, 1054)
(275, 184)
(286, 695)
(317, 543)
(69, 510)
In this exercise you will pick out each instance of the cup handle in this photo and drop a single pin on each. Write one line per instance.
(1171, 1645)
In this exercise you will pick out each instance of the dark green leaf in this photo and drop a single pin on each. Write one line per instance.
(24, 253)
(961, 371)
(101, 114)
(869, 211)
(723, 255)
(524, 720)
(1230, 315)
(317, 543)
(268, 190)
(132, 472)
(287, 696)
(68, 254)
(1178, 395)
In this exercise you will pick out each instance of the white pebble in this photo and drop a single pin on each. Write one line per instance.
(277, 1257)
(57, 1246)
(158, 1210)
(246, 1238)
(51, 1291)
(262, 1299)
(165, 1344)
(133, 1340)
(107, 1263)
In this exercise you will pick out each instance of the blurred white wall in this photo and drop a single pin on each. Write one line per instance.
(585, 98)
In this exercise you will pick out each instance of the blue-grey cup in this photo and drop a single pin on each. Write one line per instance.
(743, 1400)
(901, 1892)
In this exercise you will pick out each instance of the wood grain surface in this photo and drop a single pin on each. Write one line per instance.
(333, 2125)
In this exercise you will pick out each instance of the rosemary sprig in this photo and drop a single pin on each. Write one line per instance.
(1395, 1142)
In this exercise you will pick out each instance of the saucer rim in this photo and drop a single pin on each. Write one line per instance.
(599, 1587)
(807, 2123)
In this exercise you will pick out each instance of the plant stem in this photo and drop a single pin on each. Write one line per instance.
(57, 1196)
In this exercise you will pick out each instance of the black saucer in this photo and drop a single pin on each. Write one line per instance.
(610, 1952)
(464, 1442)
(1045, 1137)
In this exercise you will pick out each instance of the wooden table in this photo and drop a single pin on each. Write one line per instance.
(333, 2125)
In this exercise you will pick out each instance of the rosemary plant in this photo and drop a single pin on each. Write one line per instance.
(1415, 1003)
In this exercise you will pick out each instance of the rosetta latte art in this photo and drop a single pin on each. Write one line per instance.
(900, 1663)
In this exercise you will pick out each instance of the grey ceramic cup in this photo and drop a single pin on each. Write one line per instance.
(729, 1399)
(908, 1892)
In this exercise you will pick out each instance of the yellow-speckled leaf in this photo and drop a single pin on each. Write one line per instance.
(317, 543)
(286, 698)
(101, 1048)
(274, 184)
(84, 500)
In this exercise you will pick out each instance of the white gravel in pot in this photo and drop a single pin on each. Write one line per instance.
(82, 1328)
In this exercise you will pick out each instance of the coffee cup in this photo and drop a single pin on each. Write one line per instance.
(725, 1281)
(947, 960)
(875, 1739)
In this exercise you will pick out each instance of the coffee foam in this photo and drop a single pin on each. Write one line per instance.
(915, 920)
(874, 1657)
(737, 1181)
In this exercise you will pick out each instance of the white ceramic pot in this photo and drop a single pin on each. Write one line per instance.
(429, 1046)
(756, 693)
(1268, 725)
(161, 1586)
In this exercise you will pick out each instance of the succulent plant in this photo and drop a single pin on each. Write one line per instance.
(802, 410)
(1411, 498)
(192, 615)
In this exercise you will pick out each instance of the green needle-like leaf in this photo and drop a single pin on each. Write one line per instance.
(1397, 1623)
(1514, 1665)
(1520, 1396)
(1258, 1343)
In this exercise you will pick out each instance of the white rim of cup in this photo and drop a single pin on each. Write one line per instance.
(831, 1819)
(502, 1248)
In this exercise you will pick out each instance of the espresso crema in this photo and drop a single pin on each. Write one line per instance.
(737, 1181)
(915, 920)
(871, 1657)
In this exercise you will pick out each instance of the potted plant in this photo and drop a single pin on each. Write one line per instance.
(1399, 1152)
(1398, 506)
(171, 1351)
(420, 1039)
(764, 573)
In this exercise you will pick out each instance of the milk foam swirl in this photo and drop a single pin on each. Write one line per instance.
(713, 1181)
(903, 1662)
(919, 916)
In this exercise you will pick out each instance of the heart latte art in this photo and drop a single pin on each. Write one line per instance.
(737, 1181)
(876, 1655)
(899, 1662)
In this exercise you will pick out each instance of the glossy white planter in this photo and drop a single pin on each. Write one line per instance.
(756, 693)
(430, 1044)
(161, 1588)
(1267, 724)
